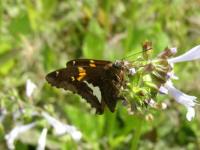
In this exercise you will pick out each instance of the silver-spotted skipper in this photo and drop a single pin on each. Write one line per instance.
(80, 74)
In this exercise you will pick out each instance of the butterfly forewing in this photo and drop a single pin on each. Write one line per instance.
(87, 63)
(63, 79)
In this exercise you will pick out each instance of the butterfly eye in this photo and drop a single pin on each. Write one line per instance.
(117, 64)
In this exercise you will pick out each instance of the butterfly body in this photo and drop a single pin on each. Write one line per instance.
(80, 74)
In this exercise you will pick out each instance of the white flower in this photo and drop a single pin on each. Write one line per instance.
(156, 105)
(152, 103)
(30, 87)
(132, 71)
(14, 133)
(192, 54)
(173, 50)
(42, 140)
(182, 98)
(61, 128)
(190, 113)
(188, 101)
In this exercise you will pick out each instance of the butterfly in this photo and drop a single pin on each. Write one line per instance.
(82, 75)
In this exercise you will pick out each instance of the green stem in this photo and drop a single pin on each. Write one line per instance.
(137, 133)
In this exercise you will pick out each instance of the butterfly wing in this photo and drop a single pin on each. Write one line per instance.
(82, 72)
(63, 79)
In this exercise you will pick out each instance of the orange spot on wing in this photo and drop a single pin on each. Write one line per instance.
(81, 74)
(81, 70)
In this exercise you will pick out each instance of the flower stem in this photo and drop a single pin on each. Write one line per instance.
(137, 133)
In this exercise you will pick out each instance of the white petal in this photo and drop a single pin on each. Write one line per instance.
(30, 87)
(14, 133)
(61, 128)
(171, 75)
(76, 135)
(190, 113)
(163, 90)
(173, 50)
(192, 54)
(182, 98)
(42, 140)
(151, 103)
(132, 71)
(163, 105)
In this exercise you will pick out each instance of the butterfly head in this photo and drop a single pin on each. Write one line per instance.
(120, 64)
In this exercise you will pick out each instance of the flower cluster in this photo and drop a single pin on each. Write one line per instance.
(149, 77)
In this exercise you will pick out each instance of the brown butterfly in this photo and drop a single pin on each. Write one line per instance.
(81, 75)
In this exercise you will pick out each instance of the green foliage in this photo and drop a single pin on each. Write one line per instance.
(39, 36)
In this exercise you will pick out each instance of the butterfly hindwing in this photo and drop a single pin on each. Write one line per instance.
(110, 87)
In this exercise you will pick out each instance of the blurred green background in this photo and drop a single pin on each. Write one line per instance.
(39, 36)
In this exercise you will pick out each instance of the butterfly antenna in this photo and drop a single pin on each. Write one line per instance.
(131, 55)
(146, 47)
